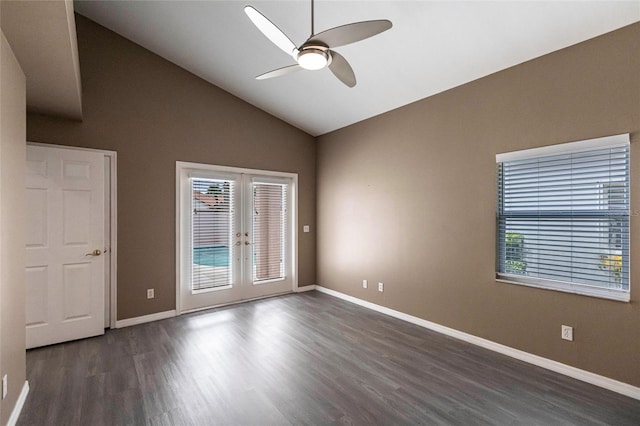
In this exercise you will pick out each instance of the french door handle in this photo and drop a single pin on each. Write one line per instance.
(238, 243)
(247, 243)
(96, 252)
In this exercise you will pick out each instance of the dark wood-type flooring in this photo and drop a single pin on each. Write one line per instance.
(300, 359)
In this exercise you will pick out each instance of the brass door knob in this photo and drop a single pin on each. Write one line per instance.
(96, 252)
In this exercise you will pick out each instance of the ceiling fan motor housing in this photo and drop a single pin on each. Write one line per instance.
(314, 57)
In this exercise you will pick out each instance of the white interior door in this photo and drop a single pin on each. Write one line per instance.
(65, 241)
(235, 238)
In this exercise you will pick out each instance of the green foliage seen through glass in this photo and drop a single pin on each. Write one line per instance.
(514, 260)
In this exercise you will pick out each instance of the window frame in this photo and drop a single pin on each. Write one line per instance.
(623, 295)
(185, 297)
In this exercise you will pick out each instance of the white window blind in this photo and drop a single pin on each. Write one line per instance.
(269, 229)
(211, 233)
(563, 220)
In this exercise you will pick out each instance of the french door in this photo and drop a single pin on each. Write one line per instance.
(235, 235)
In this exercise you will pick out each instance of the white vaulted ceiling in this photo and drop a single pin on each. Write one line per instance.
(433, 46)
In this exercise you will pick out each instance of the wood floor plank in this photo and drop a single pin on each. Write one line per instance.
(304, 359)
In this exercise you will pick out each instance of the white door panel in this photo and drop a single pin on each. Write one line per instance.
(65, 282)
(37, 291)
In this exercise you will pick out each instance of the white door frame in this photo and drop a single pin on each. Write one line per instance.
(183, 168)
(111, 184)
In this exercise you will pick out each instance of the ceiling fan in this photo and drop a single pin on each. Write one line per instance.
(317, 52)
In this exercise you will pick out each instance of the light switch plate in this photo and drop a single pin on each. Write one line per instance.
(567, 333)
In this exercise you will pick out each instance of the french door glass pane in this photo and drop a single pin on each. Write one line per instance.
(212, 233)
(269, 227)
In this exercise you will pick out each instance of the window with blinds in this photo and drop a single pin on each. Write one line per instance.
(563, 218)
(269, 231)
(211, 233)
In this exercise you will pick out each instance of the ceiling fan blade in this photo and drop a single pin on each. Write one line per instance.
(350, 33)
(279, 72)
(271, 31)
(341, 69)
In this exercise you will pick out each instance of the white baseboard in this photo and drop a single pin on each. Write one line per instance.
(17, 409)
(567, 370)
(305, 288)
(145, 318)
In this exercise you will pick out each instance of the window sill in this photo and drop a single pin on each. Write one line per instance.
(565, 287)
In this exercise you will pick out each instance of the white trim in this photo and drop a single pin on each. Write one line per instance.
(178, 230)
(306, 288)
(113, 248)
(605, 142)
(566, 287)
(113, 156)
(76, 148)
(271, 180)
(567, 370)
(145, 318)
(229, 169)
(17, 409)
(235, 302)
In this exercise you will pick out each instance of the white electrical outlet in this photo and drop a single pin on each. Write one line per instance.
(567, 333)
(380, 287)
(150, 293)
(365, 284)
(5, 386)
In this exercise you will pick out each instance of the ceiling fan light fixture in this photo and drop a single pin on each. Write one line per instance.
(313, 59)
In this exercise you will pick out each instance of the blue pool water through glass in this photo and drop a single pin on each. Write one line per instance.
(211, 256)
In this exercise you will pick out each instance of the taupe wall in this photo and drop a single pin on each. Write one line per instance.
(408, 198)
(154, 113)
(12, 210)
